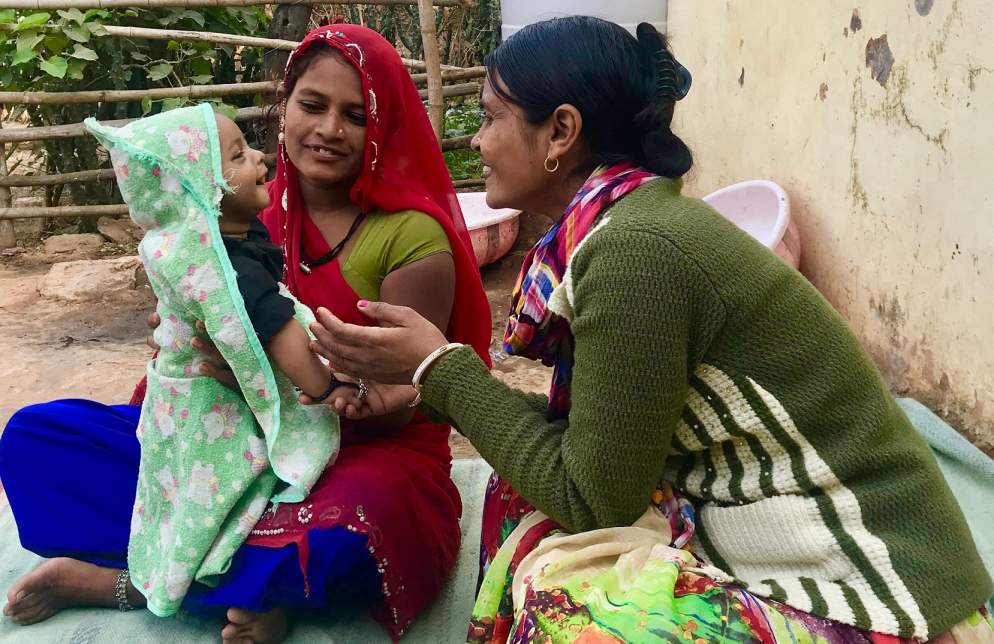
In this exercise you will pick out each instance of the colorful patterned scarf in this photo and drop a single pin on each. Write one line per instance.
(533, 330)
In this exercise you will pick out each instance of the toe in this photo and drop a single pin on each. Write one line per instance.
(35, 615)
(240, 616)
(230, 633)
(25, 605)
(16, 592)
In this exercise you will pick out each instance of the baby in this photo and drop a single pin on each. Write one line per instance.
(212, 459)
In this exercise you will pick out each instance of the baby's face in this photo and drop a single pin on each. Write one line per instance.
(244, 170)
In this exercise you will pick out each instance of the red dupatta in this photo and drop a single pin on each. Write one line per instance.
(394, 488)
(403, 169)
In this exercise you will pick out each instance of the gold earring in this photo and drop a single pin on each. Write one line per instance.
(553, 168)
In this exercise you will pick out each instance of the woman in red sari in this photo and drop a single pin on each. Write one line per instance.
(363, 208)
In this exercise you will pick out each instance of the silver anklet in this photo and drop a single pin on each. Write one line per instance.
(121, 591)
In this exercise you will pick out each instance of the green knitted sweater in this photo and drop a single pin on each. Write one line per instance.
(702, 359)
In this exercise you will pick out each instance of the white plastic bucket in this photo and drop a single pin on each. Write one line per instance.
(515, 14)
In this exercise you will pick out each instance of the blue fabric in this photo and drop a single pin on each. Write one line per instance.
(70, 468)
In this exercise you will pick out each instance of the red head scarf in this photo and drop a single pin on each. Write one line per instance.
(403, 169)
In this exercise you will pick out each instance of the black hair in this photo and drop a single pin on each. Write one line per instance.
(605, 73)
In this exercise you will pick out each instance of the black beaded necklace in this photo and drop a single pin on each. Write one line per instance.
(307, 264)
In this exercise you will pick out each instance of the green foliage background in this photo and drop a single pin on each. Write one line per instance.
(70, 50)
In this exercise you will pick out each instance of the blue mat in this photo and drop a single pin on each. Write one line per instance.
(446, 621)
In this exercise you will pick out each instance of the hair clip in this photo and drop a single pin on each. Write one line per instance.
(673, 80)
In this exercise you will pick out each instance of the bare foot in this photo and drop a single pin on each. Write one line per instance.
(245, 627)
(61, 582)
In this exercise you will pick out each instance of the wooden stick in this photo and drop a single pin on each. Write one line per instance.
(469, 73)
(7, 237)
(84, 176)
(455, 143)
(451, 91)
(118, 96)
(231, 39)
(104, 174)
(115, 210)
(289, 22)
(72, 130)
(433, 62)
(114, 4)
(202, 36)
(35, 212)
(189, 91)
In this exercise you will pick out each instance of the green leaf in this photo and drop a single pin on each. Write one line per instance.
(159, 71)
(195, 16)
(172, 103)
(79, 34)
(7, 16)
(26, 42)
(98, 13)
(137, 55)
(24, 55)
(55, 66)
(201, 67)
(146, 105)
(76, 68)
(73, 14)
(227, 110)
(202, 79)
(83, 53)
(172, 45)
(250, 19)
(32, 21)
(97, 29)
(55, 43)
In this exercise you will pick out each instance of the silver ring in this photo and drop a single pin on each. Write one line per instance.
(363, 390)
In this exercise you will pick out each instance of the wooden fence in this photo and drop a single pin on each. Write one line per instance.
(439, 81)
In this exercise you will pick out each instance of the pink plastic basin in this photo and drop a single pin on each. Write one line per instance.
(492, 231)
(762, 209)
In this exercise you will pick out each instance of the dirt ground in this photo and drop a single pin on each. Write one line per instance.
(52, 349)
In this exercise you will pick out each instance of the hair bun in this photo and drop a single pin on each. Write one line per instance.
(649, 37)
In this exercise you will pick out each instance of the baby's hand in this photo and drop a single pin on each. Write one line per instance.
(380, 399)
(344, 399)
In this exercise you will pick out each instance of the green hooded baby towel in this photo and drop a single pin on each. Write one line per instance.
(211, 458)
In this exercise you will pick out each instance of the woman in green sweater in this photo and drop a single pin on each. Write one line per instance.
(718, 459)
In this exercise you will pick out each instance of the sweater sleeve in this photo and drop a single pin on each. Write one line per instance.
(643, 316)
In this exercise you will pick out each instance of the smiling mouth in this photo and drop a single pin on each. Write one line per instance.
(324, 152)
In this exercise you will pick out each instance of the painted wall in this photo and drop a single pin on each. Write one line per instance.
(878, 120)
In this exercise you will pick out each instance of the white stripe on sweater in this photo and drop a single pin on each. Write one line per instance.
(851, 517)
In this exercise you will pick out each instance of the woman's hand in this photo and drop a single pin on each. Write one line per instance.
(214, 365)
(153, 323)
(388, 354)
